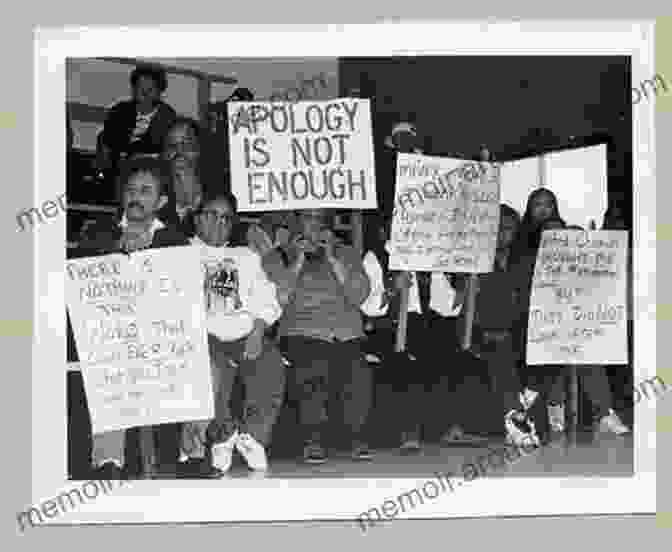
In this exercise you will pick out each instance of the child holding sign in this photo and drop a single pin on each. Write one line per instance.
(241, 304)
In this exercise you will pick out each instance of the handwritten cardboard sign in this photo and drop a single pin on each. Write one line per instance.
(303, 155)
(446, 216)
(578, 312)
(139, 327)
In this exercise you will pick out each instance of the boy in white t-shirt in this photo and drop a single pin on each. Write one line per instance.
(241, 304)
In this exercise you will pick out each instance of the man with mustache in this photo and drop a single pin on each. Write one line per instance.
(144, 183)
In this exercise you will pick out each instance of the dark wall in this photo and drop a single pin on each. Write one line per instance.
(517, 105)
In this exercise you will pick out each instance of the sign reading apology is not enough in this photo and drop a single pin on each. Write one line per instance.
(302, 155)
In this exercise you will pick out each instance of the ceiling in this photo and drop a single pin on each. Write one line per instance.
(511, 103)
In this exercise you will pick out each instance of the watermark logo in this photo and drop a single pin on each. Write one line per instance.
(642, 91)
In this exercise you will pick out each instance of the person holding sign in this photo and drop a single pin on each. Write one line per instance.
(323, 287)
(144, 183)
(241, 304)
(495, 316)
(541, 209)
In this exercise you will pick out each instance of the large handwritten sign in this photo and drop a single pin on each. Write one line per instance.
(139, 326)
(578, 304)
(302, 155)
(446, 215)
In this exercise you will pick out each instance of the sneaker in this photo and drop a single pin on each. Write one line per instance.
(361, 452)
(222, 453)
(410, 443)
(197, 468)
(556, 417)
(314, 453)
(527, 398)
(611, 423)
(252, 451)
(520, 429)
(109, 470)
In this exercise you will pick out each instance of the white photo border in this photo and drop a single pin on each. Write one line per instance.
(323, 499)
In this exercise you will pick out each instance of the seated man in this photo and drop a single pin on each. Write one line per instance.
(323, 286)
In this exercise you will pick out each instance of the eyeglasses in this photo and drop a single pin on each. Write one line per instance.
(214, 216)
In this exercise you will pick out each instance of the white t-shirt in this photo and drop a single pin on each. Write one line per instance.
(142, 123)
(237, 291)
(442, 293)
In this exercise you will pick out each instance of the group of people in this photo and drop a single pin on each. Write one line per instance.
(295, 313)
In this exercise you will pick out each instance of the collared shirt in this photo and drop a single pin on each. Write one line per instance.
(156, 225)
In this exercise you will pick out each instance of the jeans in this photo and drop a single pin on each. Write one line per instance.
(264, 382)
(327, 375)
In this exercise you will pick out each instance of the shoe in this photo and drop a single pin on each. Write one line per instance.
(197, 468)
(556, 417)
(527, 398)
(222, 453)
(314, 453)
(520, 429)
(110, 470)
(410, 443)
(361, 452)
(252, 451)
(611, 423)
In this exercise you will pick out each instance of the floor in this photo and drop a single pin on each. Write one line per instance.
(588, 455)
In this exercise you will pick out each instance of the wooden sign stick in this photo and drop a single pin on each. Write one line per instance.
(472, 287)
(402, 327)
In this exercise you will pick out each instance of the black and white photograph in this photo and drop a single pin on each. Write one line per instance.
(415, 276)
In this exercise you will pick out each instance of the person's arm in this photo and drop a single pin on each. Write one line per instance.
(262, 301)
(349, 271)
(375, 304)
(113, 137)
(284, 277)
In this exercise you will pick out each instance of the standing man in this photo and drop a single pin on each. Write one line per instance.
(321, 287)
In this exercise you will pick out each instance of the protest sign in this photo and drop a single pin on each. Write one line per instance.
(302, 155)
(578, 312)
(139, 327)
(446, 215)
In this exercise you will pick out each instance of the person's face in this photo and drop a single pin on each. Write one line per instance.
(508, 226)
(142, 197)
(404, 141)
(146, 91)
(214, 223)
(310, 224)
(542, 207)
(181, 148)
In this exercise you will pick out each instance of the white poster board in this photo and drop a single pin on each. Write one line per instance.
(578, 312)
(139, 327)
(446, 215)
(303, 155)
(578, 178)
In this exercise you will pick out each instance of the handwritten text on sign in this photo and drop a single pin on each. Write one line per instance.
(302, 155)
(139, 326)
(446, 215)
(578, 305)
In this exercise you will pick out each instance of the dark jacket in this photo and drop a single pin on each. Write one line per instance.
(120, 123)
